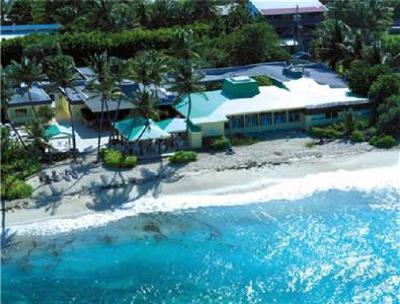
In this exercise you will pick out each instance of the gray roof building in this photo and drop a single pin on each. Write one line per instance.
(276, 71)
(21, 97)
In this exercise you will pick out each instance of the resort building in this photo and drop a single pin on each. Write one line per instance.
(293, 20)
(301, 97)
(20, 106)
(280, 72)
(243, 107)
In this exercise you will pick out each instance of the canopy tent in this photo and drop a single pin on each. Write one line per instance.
(173, 125)
(58, 136)
(54, 131)
(51, 131)
(132, 128)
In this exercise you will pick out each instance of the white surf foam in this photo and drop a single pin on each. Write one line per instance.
(290, 189)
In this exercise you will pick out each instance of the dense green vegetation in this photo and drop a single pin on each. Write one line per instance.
(354, 130)
(16, 166)
(220, 143)
(353, 40)
(183, 157)
(127, 27)
(116, 159)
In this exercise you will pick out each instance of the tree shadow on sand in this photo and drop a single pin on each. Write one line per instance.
(119, 189)
(51, 201)
(8, 238)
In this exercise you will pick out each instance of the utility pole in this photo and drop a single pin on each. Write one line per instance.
(297, 21)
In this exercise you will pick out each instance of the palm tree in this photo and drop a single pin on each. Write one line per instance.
(26, 72)
(186, 81)
(185, 46)
(204, 10)
(332, 42)
(146, 103)
(142, 12)
(6, 93)
(376, 53)
(158, 67)
(147, 68)
(36, 132)
(118, 70)
(103, 86)
(63, 75)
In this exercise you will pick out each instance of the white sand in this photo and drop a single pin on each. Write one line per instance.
(85, 198)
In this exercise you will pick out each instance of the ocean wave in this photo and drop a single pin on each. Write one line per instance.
(269, 190)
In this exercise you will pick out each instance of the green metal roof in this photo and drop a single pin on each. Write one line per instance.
(203, 104)
(131, 129)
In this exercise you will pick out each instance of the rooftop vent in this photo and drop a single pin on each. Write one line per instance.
(240, 87)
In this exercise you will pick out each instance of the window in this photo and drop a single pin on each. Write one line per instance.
(251, 121)
(265, 119)
(294, 116)
(237, 122)
(280, 117)
(21, 113)
(331, 114)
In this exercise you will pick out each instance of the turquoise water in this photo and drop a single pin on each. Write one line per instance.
(333, 247)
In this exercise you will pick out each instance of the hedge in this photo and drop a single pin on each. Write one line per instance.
(81, 45)
(243, 140)
(13, 188)
(116, 159)
(357, 136)
(325, 132)
(385, 141)
(183, 157)
(220, 143)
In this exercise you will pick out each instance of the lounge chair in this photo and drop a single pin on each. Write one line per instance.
(55, 177)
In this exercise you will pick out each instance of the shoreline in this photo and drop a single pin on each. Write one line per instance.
(194, 185)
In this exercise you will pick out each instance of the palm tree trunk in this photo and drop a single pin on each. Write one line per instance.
(14, 129)
(30, 101)
(18, 135)
(116, 115)
(188, 120)
(146, 126)
(73, 130)
(100, 128)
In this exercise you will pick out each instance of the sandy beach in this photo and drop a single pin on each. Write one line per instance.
(101, 191)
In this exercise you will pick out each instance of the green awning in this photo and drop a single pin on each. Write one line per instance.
(132, 128)
(51, 131)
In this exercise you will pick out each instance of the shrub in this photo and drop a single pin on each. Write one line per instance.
(112, 157)
(372, 132)
(326, 132)
(384, 141)
(357, 136)
(130, 161)
(115, 159)
(14, 188)
(243, 140)
(220, 143)
(183, 157)
(310, 144)
(361, 124)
